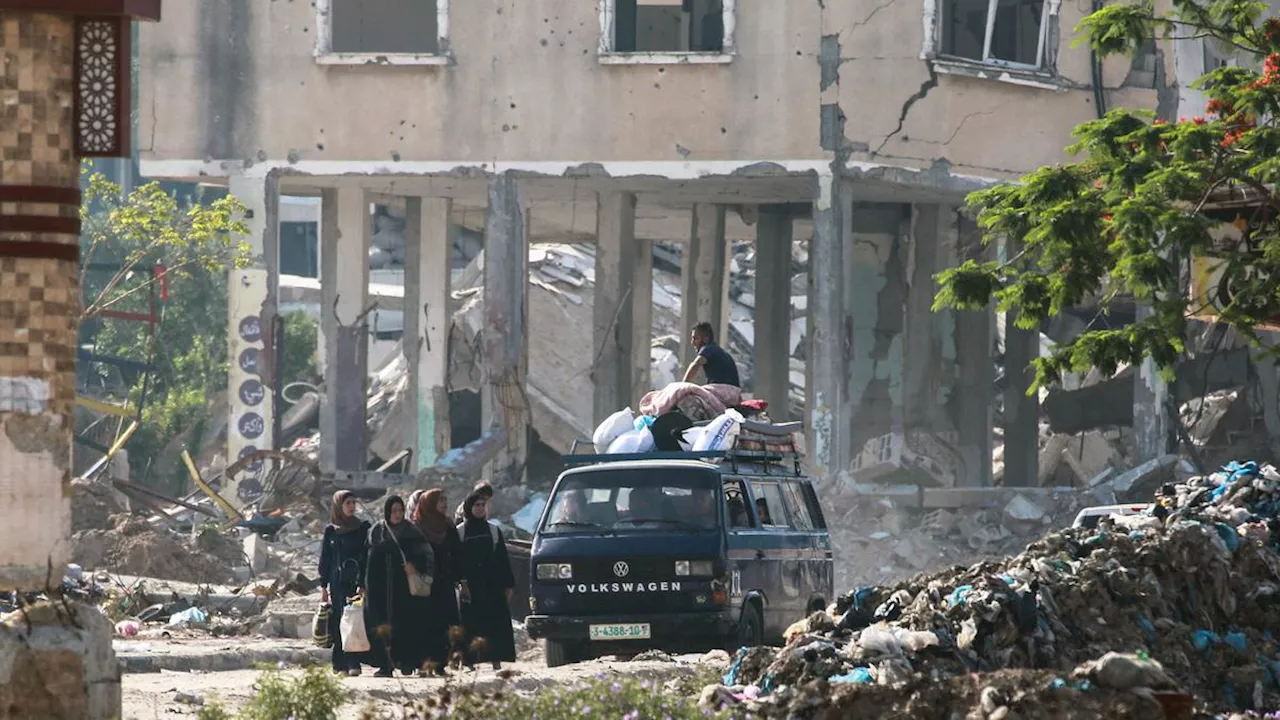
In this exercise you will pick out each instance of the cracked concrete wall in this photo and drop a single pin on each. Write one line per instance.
(235, 80)
(899, 110)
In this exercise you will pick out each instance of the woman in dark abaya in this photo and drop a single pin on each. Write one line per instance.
(342, 557)
(394, 617)
(442, 611)
(486, 572)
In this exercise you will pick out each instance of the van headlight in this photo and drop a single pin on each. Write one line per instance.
(686, 568)
(555, 571)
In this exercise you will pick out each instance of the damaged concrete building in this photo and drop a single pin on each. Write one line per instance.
(851, 130)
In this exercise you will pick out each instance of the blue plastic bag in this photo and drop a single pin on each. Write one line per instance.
(856, 676)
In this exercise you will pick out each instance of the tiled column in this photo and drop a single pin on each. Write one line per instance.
(39, 300)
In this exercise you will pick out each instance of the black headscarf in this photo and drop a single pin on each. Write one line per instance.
(402, 530)
(471, 520)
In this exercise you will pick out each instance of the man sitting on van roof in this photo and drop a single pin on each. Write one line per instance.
(712, 359)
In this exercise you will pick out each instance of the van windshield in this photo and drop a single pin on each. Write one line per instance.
(635, 499)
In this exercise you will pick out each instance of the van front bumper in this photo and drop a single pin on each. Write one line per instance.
(664, 629)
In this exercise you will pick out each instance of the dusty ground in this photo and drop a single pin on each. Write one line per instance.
(152, 696)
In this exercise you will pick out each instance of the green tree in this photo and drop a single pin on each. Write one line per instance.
(125, 238)
(1128, 218)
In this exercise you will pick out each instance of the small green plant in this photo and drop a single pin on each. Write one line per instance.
(603, 697)
(316, 695)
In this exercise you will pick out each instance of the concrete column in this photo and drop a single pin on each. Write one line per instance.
(39, 297)
(974, 402)
(427, 318)
(704, 277)
(944, 419)
(613, 327)
(345, 228)
(875, 295)
(251, 298)
(772, 380)
(1021, 411)
(828, 425)
(641, 321)
(505, 400)
(58, 660)
(1153, 431)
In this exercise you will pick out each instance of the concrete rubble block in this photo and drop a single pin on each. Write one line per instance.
(1023, 509)
(255, 548)
(1141, 482)
(57, 662)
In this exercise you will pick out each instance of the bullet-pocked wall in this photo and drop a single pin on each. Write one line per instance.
(238, 79)
(927, 83)
(524, 80)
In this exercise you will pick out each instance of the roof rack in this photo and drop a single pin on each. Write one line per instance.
(758, 443)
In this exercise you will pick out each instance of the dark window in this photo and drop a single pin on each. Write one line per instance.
(629, 500)
(796, 506)
(299, 249)
(1015, 30)
(668, 26)
(384, 26)
(735, 496)
(770, 507)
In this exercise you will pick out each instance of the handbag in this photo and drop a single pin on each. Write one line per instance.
(320, 627)
(355, 639)
(419, 583)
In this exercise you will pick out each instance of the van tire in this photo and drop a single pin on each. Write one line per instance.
(750, 630)
(560, 653)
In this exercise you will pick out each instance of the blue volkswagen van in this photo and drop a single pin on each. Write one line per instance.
(683, 552)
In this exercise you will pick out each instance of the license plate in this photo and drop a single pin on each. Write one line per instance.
(620, 631)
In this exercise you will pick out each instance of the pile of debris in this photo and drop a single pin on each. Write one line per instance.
(133, 546)
(1192, 588)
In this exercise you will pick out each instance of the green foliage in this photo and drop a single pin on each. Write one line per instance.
(198, 246)
(606, 698)
(316, 695)
(1129, 216)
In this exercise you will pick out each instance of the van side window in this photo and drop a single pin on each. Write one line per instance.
(735, 497)
(769, 504)
(797, 506)
(815, 507)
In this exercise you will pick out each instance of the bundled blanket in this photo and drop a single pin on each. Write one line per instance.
(698, 402)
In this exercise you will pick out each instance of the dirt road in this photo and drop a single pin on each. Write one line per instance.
(168, 694)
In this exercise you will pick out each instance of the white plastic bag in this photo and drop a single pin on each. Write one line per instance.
(616, 424)
(689, 437)
(720, 434)
(354, 637)
(634, 441)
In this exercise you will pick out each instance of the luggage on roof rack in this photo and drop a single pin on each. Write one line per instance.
(759, 443)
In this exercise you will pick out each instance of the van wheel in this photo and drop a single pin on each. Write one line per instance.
(560, 653)
(750, 628)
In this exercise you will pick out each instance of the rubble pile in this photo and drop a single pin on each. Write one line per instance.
(880, 542)
(1190, 589)
(133, 546)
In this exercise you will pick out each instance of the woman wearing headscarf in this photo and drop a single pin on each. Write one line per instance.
(486, 571)
(482, 487)
(394, 620)
(342, 558)
(442, 612)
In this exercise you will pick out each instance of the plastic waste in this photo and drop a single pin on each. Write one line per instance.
(721, 433)
(632, 441)
(735, 668)
(879, 639)
(857, 676)
(190, 616)
(128, 628)
(690, 437)
(612, 426)
(1203, 639)
(958, 595)
(642, 422)
(1236, 640)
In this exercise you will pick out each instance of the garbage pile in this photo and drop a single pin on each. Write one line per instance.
(1188, 594)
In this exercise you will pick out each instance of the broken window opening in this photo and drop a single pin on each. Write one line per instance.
(385, 27)
(667, 26)
(1014, 33)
